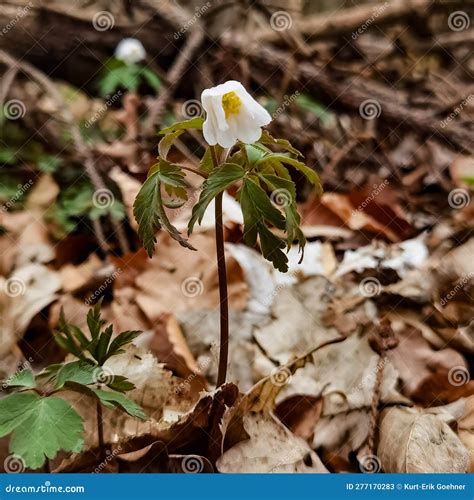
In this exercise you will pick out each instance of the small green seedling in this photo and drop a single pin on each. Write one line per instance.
(40, 421)
(117, 75)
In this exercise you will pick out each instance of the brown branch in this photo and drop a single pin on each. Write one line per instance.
(175, 74)
(353, 91)
(342, 21)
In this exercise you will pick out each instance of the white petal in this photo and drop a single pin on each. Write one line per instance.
(208, 130)
(219, 113)
(246, 128)
(226, 138)
(259, 113)
(130, 50)
(224, 88)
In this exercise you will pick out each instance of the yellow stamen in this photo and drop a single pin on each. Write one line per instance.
(231, 103)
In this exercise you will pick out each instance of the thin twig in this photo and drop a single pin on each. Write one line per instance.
(179, 67)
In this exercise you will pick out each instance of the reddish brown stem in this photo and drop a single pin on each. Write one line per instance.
(100, 430)
(223, 292)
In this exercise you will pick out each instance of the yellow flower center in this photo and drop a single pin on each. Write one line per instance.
(231, 103)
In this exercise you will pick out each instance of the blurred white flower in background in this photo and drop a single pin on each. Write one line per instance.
(232, 114)
(130, 51)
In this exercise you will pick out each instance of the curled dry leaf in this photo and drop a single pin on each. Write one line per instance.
(271, 447)
(414, 441)
(23, 295)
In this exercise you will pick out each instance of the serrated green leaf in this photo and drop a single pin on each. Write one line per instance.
(267, 138)
(21, 378)
(148, 208)
(103, 344)
(118, 400)
(287, 191)
(218, 181)
(120, 384)
(165, 144)
(261, 204)
(41, 427)
(195, 123)
(94, 321)
(276, 183)
(255, 152)
(80, 372)
(122, 339)
(272, 248)
(257, 209)
(65, 338)
(310, 174)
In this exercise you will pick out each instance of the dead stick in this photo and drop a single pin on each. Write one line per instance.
(175, 74)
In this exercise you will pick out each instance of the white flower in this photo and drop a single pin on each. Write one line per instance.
(130, 51)
(232, 114)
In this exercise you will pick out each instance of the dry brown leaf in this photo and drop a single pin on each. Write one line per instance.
(271, 447)
(177, 279)
(416, 360)
(416, 442)
(300, 414)
(23, 295)
(466, 430)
